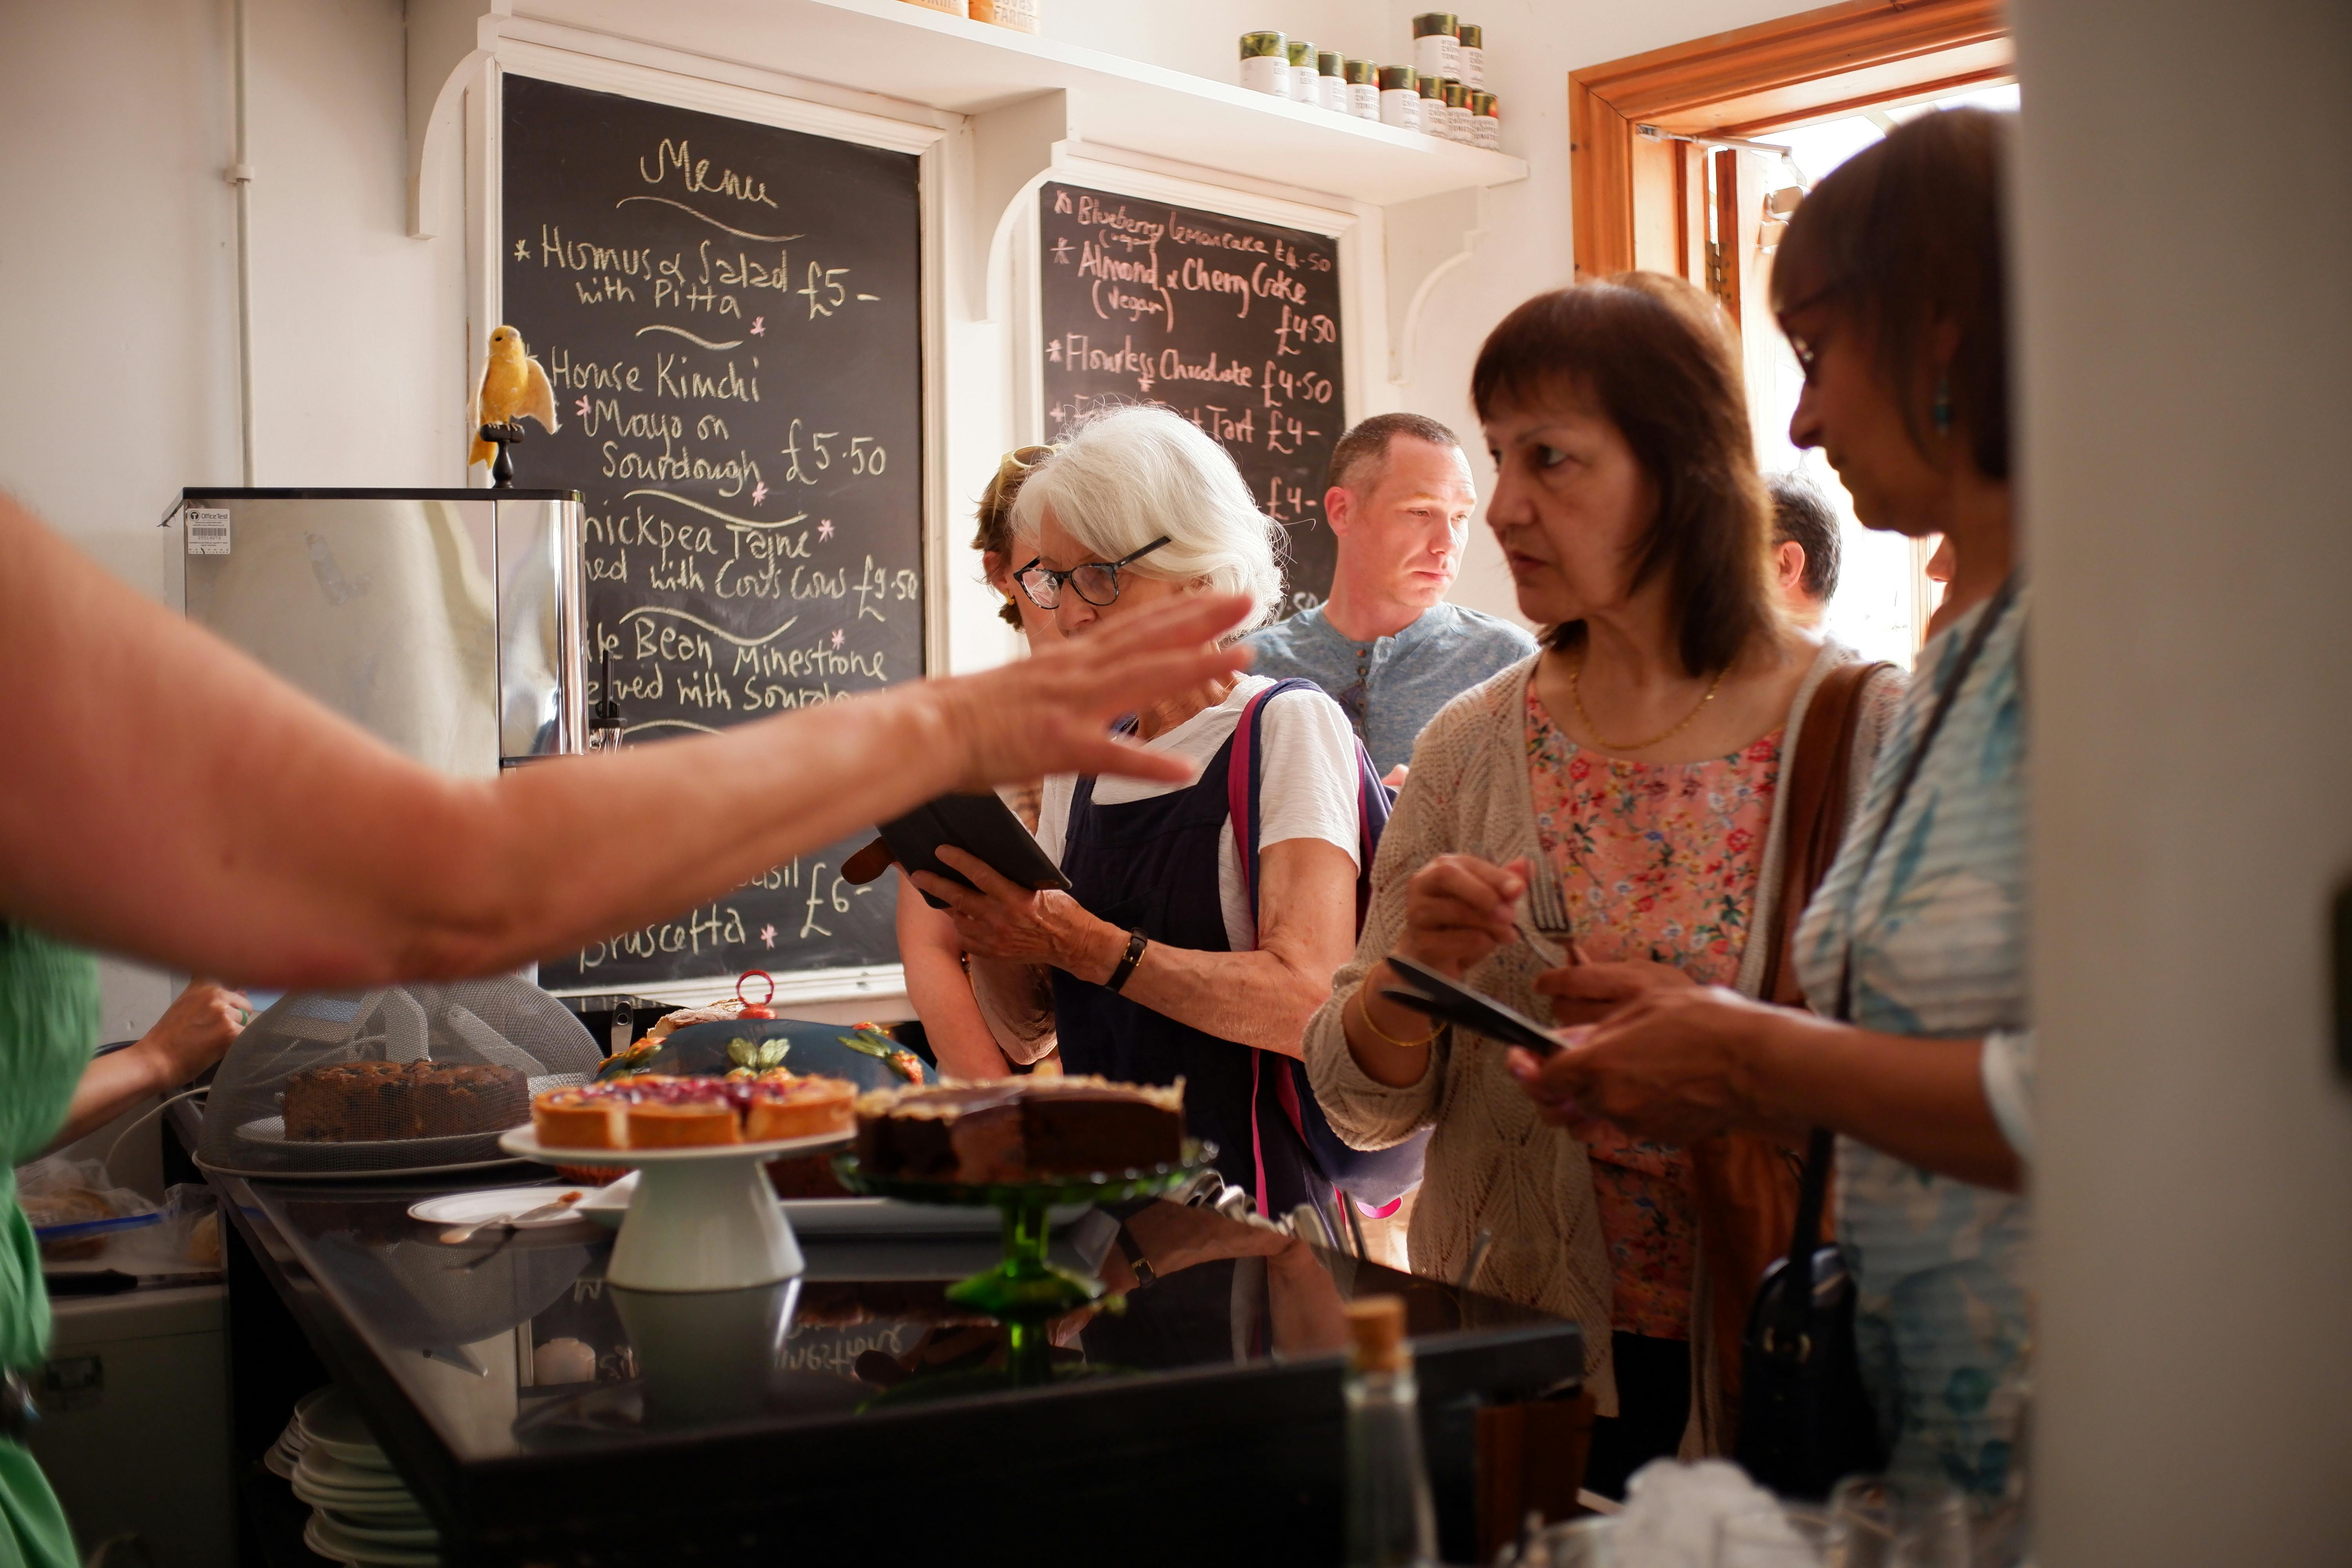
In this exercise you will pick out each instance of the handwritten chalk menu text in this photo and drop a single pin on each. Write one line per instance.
(1233, 325)
(731, 314)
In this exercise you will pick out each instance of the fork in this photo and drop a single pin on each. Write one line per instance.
(1546, 905)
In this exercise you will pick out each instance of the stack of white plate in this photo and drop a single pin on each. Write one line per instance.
(281, 1460)
(361, 1511)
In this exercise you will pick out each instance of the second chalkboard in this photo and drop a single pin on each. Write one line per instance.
(1233, 324)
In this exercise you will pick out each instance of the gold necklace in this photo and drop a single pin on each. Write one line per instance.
(1576, 695)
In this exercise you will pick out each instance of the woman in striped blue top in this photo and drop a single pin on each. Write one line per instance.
(1888, 284)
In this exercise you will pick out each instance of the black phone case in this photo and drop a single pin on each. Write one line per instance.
(1459, 1005)
(979, 825)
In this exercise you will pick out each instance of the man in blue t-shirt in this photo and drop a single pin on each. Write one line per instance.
(1386, 644)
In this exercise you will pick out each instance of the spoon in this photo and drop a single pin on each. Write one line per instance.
(465, 1232)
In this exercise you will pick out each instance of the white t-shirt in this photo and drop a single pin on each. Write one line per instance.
(1308, 788)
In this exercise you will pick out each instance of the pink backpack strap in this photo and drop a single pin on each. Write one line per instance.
(1241, 801)
(1239, 769)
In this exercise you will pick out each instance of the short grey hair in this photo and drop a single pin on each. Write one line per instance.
(1126, 476)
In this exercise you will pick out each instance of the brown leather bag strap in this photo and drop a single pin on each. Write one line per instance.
(1817, 781)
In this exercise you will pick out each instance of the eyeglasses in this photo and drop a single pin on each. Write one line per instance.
(1806, 346)
(1096, 581)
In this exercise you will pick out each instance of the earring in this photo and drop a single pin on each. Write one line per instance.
(1942, 414)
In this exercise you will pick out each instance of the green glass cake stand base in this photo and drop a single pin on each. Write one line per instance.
(1027, 1290)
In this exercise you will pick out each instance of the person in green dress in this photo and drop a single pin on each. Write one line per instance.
(48, 1020)
(178, 804)
(52, 1092)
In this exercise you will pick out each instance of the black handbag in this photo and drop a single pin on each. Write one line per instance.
(1805, 1419)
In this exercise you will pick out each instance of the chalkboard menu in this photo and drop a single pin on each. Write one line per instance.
(1234, 325)
(731, 317)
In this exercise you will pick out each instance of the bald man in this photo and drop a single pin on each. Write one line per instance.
(1386, 644)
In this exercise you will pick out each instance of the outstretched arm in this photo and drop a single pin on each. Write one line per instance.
(180, 804)
(195, 1031)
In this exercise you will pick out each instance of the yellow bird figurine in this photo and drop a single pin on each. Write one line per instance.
(513, 384)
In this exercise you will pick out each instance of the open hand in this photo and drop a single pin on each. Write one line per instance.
(1458, 909)
(1671, 1066)
(1583, 992)
(1050, 713)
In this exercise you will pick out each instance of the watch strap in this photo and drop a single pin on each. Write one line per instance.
(1137, 1263)
(1136, 942)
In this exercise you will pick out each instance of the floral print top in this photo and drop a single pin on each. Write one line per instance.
(1658, 860)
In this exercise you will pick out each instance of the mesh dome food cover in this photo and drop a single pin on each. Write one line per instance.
(409, 1078)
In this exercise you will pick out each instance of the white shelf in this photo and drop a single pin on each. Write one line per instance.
(905, 51)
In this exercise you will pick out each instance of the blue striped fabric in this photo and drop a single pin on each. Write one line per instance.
(1939, 920)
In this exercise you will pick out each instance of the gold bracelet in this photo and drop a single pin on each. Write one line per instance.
(1364, 1011)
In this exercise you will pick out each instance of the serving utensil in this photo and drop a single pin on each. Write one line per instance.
(464, 1233)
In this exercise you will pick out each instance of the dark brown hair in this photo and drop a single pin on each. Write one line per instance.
(1651, 353)
(1801, 513)
(995, 531)
(1904, 239)
(1367, 444)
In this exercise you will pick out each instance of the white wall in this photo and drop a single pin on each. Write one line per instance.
(117, 262)
(1531, 46)
(2187, 332)
(118, 277)
(117, 284)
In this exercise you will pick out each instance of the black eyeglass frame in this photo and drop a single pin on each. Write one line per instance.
(1060, 579)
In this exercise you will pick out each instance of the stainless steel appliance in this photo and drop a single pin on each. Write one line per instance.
(446, 622)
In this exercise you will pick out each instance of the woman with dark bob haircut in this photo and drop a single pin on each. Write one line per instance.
(1629, 774)
(1889, 285)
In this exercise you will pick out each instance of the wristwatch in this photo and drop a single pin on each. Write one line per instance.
(1139, 1264)
(1136, 942)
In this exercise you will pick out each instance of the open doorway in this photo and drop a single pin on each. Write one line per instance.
(1885, 595)
(1689, 159)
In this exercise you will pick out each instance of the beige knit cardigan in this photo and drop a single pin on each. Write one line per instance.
(1492, 1165)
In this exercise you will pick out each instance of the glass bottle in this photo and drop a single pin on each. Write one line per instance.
(1390, 1523)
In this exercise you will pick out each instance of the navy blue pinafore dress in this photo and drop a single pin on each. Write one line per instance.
(1152, 865)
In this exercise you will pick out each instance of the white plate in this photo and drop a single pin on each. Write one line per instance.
(893, 1217)
(608, 1205)
(271, 1130)
(396, 1505)
(473, 1208)
(831, 1217)
(523, 1143)
(334, 1429)
(375, 1532)
(318, 1545)
(322, 1536)
(324, 1470)
(297, 1173)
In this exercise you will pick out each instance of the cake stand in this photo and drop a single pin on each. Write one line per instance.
(703, 1218)
(1027, 1290)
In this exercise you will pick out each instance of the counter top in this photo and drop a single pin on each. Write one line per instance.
(856, 1407)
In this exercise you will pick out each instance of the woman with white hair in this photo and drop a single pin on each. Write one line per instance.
(1182, 949)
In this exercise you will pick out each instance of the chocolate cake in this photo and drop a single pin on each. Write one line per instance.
(365, 1103)
(1017, 1130)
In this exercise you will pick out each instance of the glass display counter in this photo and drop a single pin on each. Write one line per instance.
(855, 1414)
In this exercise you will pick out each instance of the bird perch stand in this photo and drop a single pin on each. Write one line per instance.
(502, 468)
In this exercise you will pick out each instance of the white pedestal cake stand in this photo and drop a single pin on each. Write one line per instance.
(703, 1218)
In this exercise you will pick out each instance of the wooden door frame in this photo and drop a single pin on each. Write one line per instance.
(1639, 202)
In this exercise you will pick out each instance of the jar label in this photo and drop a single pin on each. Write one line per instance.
(1267, 74)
